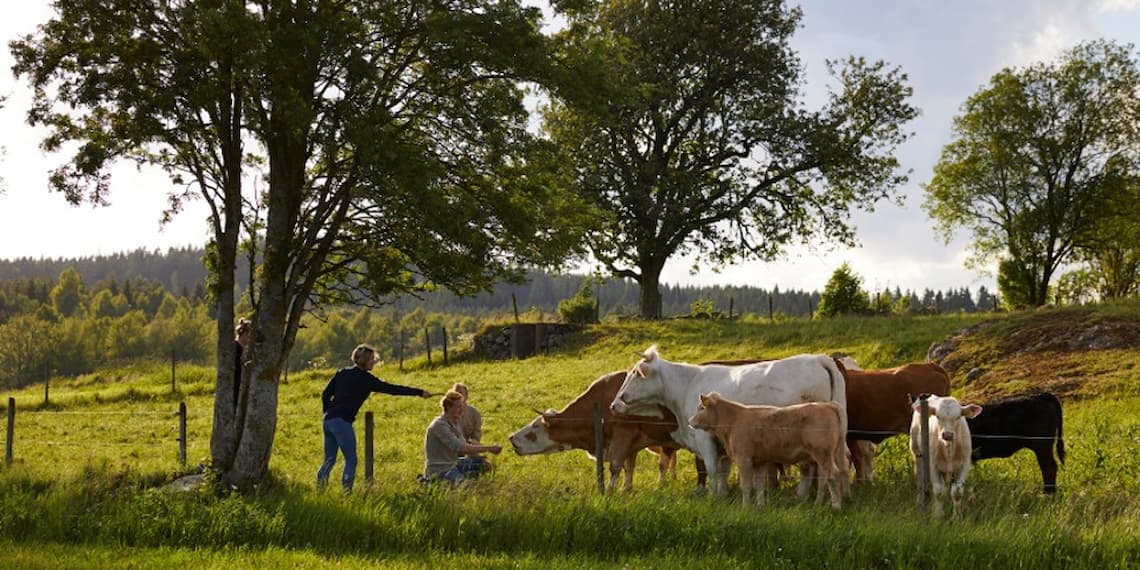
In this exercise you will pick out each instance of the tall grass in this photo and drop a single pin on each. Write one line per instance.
(91, 468)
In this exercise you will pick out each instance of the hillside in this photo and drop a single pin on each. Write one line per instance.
(90, 466)
(1077, 353)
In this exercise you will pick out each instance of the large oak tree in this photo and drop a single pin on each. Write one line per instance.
(391, 136)
(1032, 157)
(685, 126)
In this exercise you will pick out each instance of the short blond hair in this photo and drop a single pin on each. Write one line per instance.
(364, 353)
(461, 388)
(450, 399)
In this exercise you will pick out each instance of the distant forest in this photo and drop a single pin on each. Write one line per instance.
(182, 273)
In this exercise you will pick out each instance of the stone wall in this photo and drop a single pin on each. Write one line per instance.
(521, 340)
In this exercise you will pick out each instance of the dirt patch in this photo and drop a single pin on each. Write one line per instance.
(1072, 353)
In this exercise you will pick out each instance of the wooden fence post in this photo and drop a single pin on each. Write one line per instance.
(427, 343)
(924, 445)
(182, 433)
(401, 349)
(515, 305)
(47, 384)
(771, 315)
(368, 449)
(731, 301)
(444, 345)
(11, 431)
(599, 448)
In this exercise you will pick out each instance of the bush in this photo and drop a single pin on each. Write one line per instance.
(579, 309)
(843, 294)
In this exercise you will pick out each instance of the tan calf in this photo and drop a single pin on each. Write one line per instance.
(950, 448)
(756, 437)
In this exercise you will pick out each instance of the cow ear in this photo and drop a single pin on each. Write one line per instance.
(971, 410)
(650, 353)
(704, 400)
(642, 370)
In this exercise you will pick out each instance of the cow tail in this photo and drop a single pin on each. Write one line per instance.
(838, 389)
(1060, 420)
(839, 396)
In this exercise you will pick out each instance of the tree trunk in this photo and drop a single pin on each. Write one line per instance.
(226, 223)
(649, 296)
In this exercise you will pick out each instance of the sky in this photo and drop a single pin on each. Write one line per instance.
(948, 49)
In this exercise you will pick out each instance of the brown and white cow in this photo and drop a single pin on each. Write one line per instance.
(756, 437)
(622, 435)
(950, 447)
(879, 405)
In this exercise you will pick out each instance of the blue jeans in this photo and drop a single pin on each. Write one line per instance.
(338, 435)
(467, 468)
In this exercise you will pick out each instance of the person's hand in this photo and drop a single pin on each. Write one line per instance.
(496, 449)
(425, 394)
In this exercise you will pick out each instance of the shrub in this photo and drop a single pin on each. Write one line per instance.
(579, 309)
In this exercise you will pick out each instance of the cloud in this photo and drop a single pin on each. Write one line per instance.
(1109, 6)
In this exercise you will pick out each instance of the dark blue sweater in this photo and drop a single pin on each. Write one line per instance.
(350, 387)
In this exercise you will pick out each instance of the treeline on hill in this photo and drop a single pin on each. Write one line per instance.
(102, 310)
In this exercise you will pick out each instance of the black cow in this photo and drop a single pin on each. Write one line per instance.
(1030, 422)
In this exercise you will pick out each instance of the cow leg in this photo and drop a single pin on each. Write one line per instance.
(666, 463)
(707, 451)
(829, 478)
(958, 487)
(744, 469)
(1048, 466)
(842, 459)
(628, 466)
(807, 479)
(621, 456)
(938, 488)
(771, 472)
(702, 472)
(862, 457)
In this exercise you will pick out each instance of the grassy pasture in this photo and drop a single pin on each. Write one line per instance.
(86, 486)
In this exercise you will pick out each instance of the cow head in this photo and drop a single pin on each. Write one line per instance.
(535, 437)
(948, 412)
(643, 387)
(706, 416)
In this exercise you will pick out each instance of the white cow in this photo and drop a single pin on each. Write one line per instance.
(677, 386)
(950, 447)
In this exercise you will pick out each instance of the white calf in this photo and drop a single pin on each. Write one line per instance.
(950, 447)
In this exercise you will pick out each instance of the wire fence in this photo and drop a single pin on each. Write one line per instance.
(174, 435)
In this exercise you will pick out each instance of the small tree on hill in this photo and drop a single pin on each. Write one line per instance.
(581, 308)
(843, 294)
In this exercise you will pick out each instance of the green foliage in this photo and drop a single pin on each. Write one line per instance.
(25, 348)
(1032, 155)
(843, 294)
(702, 308)
(1109, 246)
(67, 296)
(582, 308)
(692, 90)
(1014, 281)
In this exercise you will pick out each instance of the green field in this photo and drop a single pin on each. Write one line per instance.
(86, 488)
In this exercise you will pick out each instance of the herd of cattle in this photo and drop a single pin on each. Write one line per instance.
(820, 413)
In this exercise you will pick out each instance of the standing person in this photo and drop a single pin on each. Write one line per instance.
(241, 342)
(443, 442)
(341, 400)
(471, 422)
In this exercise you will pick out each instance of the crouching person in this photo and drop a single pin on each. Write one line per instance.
(444, 444)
